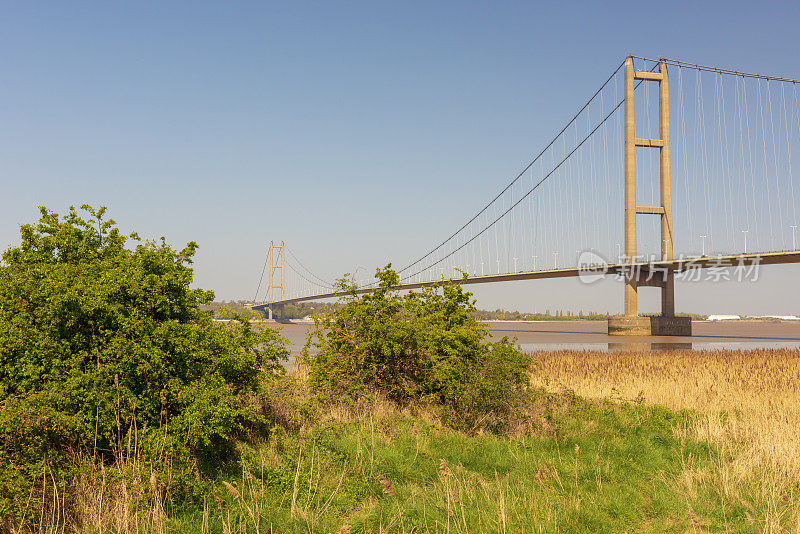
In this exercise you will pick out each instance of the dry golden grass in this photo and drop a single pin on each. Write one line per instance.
(124, 497)
(107, 502)
(747, 403)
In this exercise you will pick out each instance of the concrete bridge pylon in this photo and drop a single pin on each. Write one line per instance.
(631, 323)
(276, 264)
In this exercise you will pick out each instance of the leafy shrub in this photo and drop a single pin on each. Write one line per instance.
(288, 403)
(105, 353)
(422, 345)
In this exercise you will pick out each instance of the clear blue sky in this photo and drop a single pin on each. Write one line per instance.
(356, 132)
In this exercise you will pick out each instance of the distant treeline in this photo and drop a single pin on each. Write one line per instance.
(556, 315)
(230, 309)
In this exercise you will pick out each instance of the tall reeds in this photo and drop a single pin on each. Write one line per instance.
(745, 402)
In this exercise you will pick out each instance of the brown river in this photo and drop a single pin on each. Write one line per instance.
(591, 335)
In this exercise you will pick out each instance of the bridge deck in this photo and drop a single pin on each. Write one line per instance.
(677, 265)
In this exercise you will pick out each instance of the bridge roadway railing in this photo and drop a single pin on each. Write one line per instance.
(642, 270)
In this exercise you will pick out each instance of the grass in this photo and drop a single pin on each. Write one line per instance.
(592, 467)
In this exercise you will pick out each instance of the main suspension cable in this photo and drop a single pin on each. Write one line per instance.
(523, 197)
(325, 283)
(261, 279)
(503, 214)
(679, 63)
(518, 175)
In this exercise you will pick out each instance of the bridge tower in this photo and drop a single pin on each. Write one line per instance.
(275, 264)
(635, 277)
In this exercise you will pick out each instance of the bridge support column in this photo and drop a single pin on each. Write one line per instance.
(668, 295)
(631, 296)
(631, 323)
(275, 264)
(665, 171)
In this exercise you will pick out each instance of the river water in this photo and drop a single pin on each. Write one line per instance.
(591, 335)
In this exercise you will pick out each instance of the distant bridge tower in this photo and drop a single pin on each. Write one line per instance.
(667, 324)
(276, 263)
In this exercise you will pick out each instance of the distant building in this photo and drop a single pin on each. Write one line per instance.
(723, 317)
(780, 317)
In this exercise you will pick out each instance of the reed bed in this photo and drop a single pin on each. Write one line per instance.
(746, 402)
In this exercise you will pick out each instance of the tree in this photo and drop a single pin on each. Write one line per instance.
(421, 345)
(103, 344)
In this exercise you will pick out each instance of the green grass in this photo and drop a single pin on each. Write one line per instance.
(590, 468)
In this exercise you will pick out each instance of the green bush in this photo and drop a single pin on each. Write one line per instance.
(424, 345)
(105, 353)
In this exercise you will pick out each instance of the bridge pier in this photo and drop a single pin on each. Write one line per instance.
(656, 325)
(666, 324)
(277, 309)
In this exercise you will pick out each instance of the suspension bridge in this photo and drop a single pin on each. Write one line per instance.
(669, 169)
